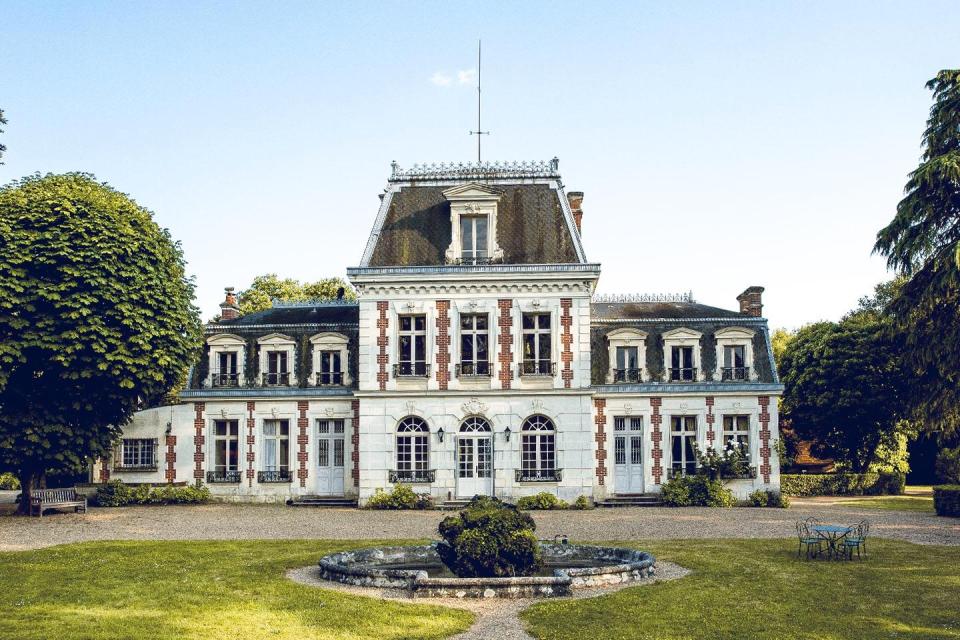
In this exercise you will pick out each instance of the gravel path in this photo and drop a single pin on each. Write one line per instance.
(496, 618)
(249, 522)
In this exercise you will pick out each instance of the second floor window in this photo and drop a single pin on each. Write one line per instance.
(277, 372)
(734, 363)
(473, 236)
(413, 346)
(536, 344)
(226, 373)
(681, 364)
(474, 345)
(627, 366)
(330, 371)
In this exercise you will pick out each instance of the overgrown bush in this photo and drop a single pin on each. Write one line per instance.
(767, 498)
(582, 504)
(490, 539)
(400, 497)
(889, 484)
(948, 465)
(695, 491)
(117, 494)
(828, 484)
(542, 501)
(9, 482)
(946, 500)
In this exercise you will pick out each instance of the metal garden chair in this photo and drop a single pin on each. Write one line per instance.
(856, 540)
(808, 538)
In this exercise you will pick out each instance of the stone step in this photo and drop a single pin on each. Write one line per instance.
(631, 500)
(322, 501)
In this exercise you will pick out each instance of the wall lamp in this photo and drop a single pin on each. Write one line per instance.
(506, 434)
(440, 433)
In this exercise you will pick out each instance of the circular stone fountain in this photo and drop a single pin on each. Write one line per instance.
(420, 571)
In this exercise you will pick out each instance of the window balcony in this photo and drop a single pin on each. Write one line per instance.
(276, 379)
(413, 476)
(541, 368)
(329, 379)
(749, 474)
(627, 375)
(225, 379)
(538, 475)
(143, 467)
(474, 369)
(470, 260)
(735, 373)
(223, 477)
(276, 476)
(411, 370)
(682, 374)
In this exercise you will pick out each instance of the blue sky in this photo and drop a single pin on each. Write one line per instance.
(718, 145)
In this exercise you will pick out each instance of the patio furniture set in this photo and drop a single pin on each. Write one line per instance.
(835, 541)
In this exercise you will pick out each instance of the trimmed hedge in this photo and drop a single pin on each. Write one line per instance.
(842, 484)
(946, 500)
(118, 494)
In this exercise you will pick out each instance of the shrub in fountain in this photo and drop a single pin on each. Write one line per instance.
(490, 539)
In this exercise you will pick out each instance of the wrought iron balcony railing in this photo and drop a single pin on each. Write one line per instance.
(224, 379)
(538, 475)
(411, 370)
(223, 477)
(473, 260)
(537, 368)
(413, 476)
(276, 379)
(147, 466)
(627, 375)
(682, 374)
(749, 474)
(474, 369)
(735, 373)
(329, 378)
(281, 475)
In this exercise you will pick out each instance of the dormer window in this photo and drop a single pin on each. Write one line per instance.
(681, 364)
(473, 224)
(276, 360)
(681, 355)
(277, 372)
(330, 358)
(735, 354)
(627, 355)
(226, 360)
(226, 374)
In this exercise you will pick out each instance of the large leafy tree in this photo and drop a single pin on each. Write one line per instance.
(922, 242)
(96, 320)
(265, 288)
(846, 387)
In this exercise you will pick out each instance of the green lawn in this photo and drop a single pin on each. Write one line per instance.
(210, 590)
(892, 503)
(747, 589)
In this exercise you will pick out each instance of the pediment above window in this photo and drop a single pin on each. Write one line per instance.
(329, 339)
(275, 339)
(627, 335)
(682, 333)
(226, 340)
(734, 333)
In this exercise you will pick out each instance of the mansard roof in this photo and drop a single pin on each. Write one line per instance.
(660, 310)
(534, 221)
(298, 313)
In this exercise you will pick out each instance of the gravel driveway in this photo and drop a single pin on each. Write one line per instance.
(250, 521)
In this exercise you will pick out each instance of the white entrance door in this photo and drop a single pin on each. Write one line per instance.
(628, 454)
(474, 458)
(330, 457)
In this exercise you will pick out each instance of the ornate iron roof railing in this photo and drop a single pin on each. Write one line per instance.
(479, 171)
(643, 297)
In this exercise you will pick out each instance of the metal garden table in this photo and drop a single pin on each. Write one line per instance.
(832, 534)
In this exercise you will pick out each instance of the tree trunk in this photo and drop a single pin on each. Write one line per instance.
(27, 479)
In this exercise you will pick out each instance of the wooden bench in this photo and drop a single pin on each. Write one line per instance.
(56, 499)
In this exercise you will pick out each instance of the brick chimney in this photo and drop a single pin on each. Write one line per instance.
(751, 302)
(229, 310)
(575, 198)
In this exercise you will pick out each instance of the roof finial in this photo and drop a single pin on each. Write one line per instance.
(479, 132)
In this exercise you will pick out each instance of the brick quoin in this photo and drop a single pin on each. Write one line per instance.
(302, 406)
(656, 420)
(505, 338)
(566, 341)
(198, 439)
(382, 342)
(765, 468)
(171, 459)
(250, 441)
(443, 343)
(105, 470)
(601, 438)
(711, 434)
(355, 440)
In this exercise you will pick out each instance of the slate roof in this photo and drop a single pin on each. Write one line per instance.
(329, 313)
(652, 310)
(534, 222)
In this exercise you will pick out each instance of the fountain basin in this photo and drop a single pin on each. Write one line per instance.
(420, 571)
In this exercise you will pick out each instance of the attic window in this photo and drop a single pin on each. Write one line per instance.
(473, 237)
(473, 223)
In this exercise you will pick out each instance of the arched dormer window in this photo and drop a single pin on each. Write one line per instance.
(538, 451)
(226, 360)
(413, 451)
(627, 355)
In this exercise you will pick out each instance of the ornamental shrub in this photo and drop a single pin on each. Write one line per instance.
(675, 492)
(542, 501)
(696, 491)
(582, 504)
(891, 483)
(948, 465)
(399, 498)
(117, 494)
(759, 498)
(490, 539)
(767, 498)
(946, 500)
(9, 482)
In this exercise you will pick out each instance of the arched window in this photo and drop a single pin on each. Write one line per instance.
(538, 455)
(413, 451)
(474, 424)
